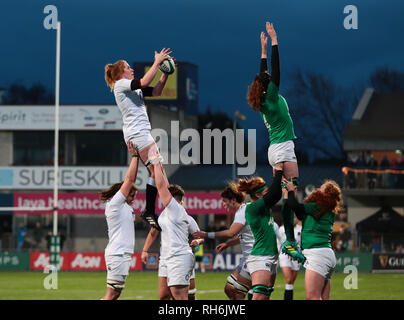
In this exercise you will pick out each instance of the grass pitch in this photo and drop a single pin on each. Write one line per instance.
(143, 286)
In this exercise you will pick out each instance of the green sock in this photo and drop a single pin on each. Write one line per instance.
(288, 221)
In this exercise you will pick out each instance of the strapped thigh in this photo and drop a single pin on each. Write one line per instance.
(239, 287)
(153, 156)
(260, 288)
(116, 285)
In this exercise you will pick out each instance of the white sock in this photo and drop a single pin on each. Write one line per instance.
(289, 287)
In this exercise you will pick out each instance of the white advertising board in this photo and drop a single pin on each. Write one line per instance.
(71, 117)
(70, 178)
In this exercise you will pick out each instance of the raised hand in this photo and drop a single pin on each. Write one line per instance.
(164, 54)
(270, 30)
(264, 40)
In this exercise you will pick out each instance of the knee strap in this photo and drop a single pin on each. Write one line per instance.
(154, 161)
(116, 285)
(239, 287)
(259, 288)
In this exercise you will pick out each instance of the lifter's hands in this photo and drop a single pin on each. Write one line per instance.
(132, 149)
(289, 186)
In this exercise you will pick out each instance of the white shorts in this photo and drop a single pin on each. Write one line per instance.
(281, 152)
(284, 261)
(242, 268)
(179, 269)
(320, 260)
(118, 266)
(162, 273)
(142, 141)
(266, 263)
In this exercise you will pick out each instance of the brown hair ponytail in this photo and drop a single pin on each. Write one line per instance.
(329, 200)
(248, 186)
(255, 95)
(232, 192)
(110, 192)
(113, 72)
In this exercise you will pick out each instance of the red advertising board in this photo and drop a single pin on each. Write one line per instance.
(68, 203)
(79, 261)
(90, 203)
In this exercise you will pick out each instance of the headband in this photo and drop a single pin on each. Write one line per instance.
(253, 193)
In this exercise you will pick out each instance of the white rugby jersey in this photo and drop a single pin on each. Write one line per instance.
(192, 227)
(281, 237)
(131, 104)
(246, 235)
(175, 225)
(121, 228)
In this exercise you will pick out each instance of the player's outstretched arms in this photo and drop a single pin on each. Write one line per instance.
(158, 59)
(162, 184)
(264, 44)
(274, 193)
(131, 174)
(292, 202)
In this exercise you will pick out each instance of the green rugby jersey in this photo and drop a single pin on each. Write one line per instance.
(276, 116)
(316, 233)
(261, 222)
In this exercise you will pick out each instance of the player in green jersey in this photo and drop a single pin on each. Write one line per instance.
(263, 258)
(238, 284)
(263, 96)
(317, 214)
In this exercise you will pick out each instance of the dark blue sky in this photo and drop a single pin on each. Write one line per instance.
(220, 36)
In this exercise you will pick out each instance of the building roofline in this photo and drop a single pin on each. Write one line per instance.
(363, 104)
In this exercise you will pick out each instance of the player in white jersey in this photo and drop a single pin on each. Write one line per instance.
(290, 268)
(129, 96)
(121, 228)
(239, 282)
(174, 224)
(164, 292)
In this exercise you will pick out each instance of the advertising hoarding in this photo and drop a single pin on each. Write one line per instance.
(388, 262)
(70, 178)
(89, 203)
(79, 261)
(71, 117)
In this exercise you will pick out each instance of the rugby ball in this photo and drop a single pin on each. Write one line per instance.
(167, 66)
